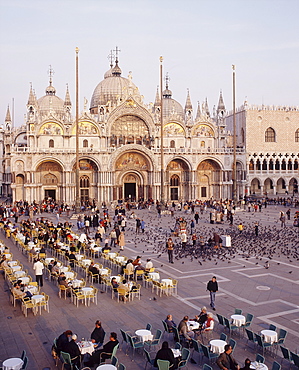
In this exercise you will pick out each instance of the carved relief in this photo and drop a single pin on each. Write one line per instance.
(19, 166)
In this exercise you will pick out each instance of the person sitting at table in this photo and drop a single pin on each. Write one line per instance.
(114, 284)
(42, 250)
(202, 317)
(66, 285)
(136, 261)
(73, 350)
(60, 276)
(55, 269)
(183, 329)
(72, 259)
(170, 323)
(98, 335)
(16, 290)
(246, 365)
(63, 340)
(104, 353)
(166, 354)
(124, 285)
(95, 271)
(226, 361)
(130, 267)
(209, 323)
(148, 266)
(4, 263)
(50, 265)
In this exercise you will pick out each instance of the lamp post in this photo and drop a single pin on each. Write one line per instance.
(77, 201)
(162, 133)
(234, 174)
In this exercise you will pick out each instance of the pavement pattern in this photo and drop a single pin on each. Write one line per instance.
(271, 293)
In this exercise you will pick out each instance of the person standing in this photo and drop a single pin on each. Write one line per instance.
(256, 229)
(38, 267)
(184, 239)
(212, 287)
(169, 246)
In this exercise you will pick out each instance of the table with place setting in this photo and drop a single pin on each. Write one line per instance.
(155, 276)
(69, 275)
(63, 269)
(192, 325)
(32, 289)
(144, 335)
(238, 320)
(12, 263)
(19, 274)
(24, 279)
(258, 366)
(176, 352)
(270, 336)
(217, 345)
(86, 262)
(86, 347)
(12, 364)
(117, 278)
(16, 268)
(103, 271)
(76, 283)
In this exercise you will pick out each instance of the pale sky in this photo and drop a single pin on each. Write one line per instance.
(198, 39)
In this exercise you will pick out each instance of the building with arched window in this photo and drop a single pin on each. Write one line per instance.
(120, 147)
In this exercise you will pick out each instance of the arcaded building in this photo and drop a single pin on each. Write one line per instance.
(119, 147)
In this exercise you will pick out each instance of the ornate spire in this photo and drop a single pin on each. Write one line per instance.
(116, 71)
(221, 106)
(157, 100)
(167, 93)
(188, 105)
(31, 99)
(207, 111)
(50, 90)
(8, 116)
(67, 100)
(198, 114)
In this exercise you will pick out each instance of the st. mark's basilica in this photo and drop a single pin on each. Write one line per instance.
(120, 153)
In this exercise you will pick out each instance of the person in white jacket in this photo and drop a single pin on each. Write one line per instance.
(38, 268)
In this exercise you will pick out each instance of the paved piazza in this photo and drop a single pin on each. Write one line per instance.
(271, 295)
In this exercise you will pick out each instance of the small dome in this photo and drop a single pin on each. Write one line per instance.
(116, 71)
(167, 93)
(50, 102)
(108, 73)
(50, 90)
(171, 106)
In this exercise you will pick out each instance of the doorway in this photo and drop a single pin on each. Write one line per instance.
(130, 190)
(50, 193)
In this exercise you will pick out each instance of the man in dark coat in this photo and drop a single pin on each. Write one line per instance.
(165, 353)
(104, 353)
(226, 361)
(212, 287)
(73, 350)
(98, 335)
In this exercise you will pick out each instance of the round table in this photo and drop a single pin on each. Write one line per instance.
(87, 290)
(8, 256)
(192, 325)
(270, 336)
(13, 364)
(112, 254)
(217, 345)
(119, 258)
(79, 257)
(16, 268)
(117, 278)
(106, 367)
(86, 262)
(76, 283)
(32, 289)
(103, 271)
(19, 274)
(86, 347)
(144, 334)
(176, 352)
(258, 366)
(154, 276)
(69, 274)
(238, 320)
(12, 263)
(25, 279)
(37, 298)
(63, 269)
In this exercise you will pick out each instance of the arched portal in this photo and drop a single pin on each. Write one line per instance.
(132, 177)
(255, 186)
(268, 186)
(88, 180)
(293, 186)
(281, 186)
(20, 187)
(178, 179)
(49, 176)
(209, 175)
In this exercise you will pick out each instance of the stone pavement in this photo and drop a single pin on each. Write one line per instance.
(271, 295)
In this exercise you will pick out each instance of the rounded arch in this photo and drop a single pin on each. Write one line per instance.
(186, 165)
(281, 185)
(132, 159)
(51, 128)
(203, 129)
(173, 129)
(269, 186)
(209, 178)
(255, 186)
(270, 135)
(297, 136)
(86, 163)
(49, 159)
(86, 128)
(178, 177)
(19, 189)
(293, 186)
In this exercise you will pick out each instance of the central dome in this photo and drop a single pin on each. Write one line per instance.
(112, 88)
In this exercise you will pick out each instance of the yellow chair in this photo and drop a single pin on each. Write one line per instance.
(122, 293)
(26, 305)
(62, 289)
(136, 292)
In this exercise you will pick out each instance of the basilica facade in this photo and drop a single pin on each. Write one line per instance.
(120, 148)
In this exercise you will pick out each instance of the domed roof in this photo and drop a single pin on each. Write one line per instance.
(50, 102)
(171, 106)
(111, 88)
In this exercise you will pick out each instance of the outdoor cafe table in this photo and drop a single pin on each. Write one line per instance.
(8, 256)
(63, 269)
(176, 352)
(79, 257)
(270, 336)
(106, 367)
(103, 271)
(238, 320)
(112, 254)
(37, 298)
(192, 325)
(19, 274)
(48, 260)
(16, 268)
(258, 366)
(76, 283)
(144, 334)
(87, 290)
(12, 364)
(86, 347)
(117, 278)
(154, 276)
(24, 279)
(217, 345)
(119, 258)
(12, 263)
(86, 262)
(32, 289)
(69, 274)
(167, 282)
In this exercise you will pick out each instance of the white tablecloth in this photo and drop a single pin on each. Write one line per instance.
(76, 283)
(12, 263)
(12, 364)
(86, 347)
(103, 271)
(37, 298)
(119, 258)
(117, 278)
(106, 367)
(19, 274)
(32, 289)
(217, 345)
(8, 256)
(48, 260)
(176, 352)
(144, 334)
(69, 275)
(154, 276)
(86, 262)
(238, 320)
(87, 290)
(16, 268)
(96, 249)
(63, 269)
(270, 336)
(112, 254)
(192, 325)
(79, 257)
(24, 279)
(167, 282)
(258, 366)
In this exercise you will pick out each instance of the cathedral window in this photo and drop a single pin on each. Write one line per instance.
(202, 144)
(172, 144)
(297, 135)
(270, 135)
(175, 180)
(84, 182)
(51, 143)
(85, 143)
